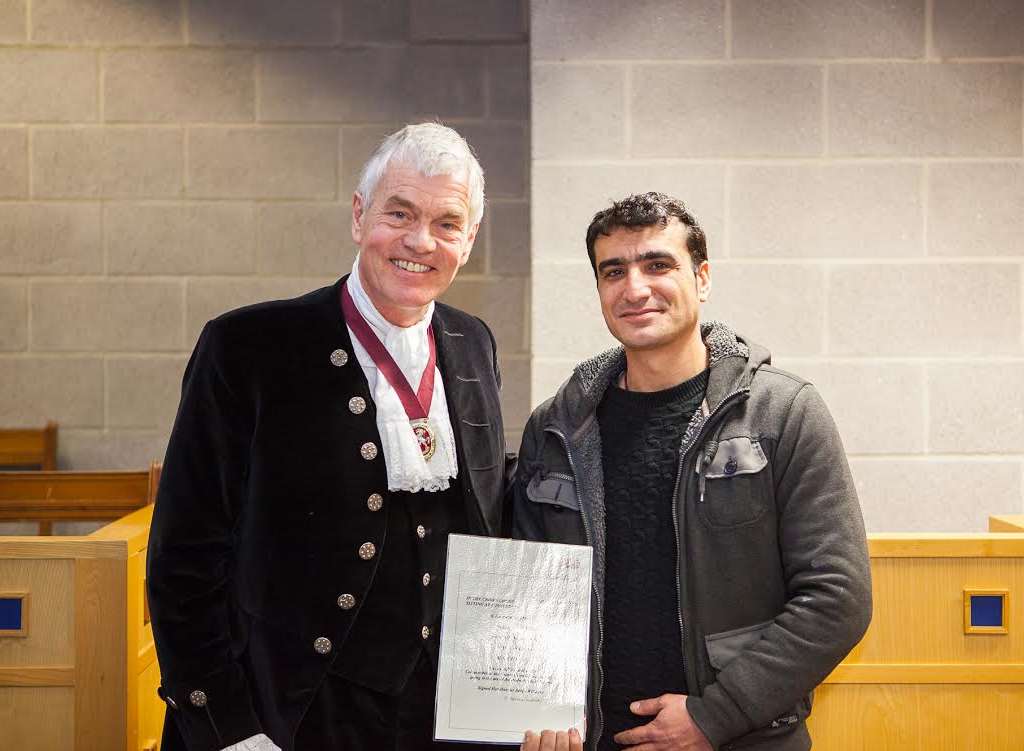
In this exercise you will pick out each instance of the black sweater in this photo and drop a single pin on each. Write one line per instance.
(640, 439)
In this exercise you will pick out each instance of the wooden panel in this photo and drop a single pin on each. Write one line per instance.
(100, 666)
(151, 709)
(918, 612)
(60, 675)
(918, 718)
(132, 528)
(922, 673)
(72, 495)
(138, 613)
(1006, 523)
(37, 719)
(61, 547)
(49, 584)
(939, 545)
(29, 447)
(136, 642)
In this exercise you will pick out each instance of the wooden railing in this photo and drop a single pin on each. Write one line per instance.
(46, 497)
(29, 448)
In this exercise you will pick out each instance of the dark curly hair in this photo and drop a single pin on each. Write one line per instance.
(647, 210)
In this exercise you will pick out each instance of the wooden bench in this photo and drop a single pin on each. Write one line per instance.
(46, 497)
(29, 448)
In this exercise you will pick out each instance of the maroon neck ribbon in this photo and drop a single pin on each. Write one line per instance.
(417, 405)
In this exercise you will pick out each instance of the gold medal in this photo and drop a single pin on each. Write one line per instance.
(424, 437)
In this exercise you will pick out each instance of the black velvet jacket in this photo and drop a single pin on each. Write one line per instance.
(263, 506)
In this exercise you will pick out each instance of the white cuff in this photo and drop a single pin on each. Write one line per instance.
(254, 743)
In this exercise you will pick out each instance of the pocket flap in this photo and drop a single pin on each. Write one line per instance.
(556, 491)
(736, 456)
(724, 646)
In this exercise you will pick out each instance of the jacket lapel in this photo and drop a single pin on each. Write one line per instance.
(462, 391)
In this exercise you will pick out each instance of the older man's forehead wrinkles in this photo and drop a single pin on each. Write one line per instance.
(444, 209)
(452, 214)
(396, 200)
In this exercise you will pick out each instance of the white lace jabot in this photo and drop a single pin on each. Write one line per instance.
(407, 470)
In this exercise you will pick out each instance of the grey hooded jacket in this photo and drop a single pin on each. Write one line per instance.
(772, 565)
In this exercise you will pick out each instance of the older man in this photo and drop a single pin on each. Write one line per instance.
(730, 563)
(324, 449)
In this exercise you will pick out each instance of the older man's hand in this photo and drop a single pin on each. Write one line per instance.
(549, 740)
(670, 730)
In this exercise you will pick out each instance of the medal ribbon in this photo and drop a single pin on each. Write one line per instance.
(417, 405)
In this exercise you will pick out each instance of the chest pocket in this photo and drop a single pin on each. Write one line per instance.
(554, 490)
(735, 488)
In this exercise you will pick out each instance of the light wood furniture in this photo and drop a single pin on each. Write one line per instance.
(46, 497)
(917, 680)
(84, 676)
(1006, 523)
(29, 448)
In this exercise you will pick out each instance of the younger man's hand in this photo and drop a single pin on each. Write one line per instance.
(671, 729)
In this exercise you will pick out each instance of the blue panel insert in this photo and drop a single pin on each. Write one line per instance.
(987, 610)
(10, 613)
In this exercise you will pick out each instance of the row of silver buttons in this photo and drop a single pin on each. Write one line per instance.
(322, 645)
(369, 451)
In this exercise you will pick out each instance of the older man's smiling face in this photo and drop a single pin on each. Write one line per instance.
(413, 238)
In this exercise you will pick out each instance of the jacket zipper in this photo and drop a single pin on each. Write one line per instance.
(727, 401)
(599, 725)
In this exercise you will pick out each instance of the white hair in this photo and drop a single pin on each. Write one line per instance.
(432, 149)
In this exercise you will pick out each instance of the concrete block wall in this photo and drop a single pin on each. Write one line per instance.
(162, 161)
(859, 170)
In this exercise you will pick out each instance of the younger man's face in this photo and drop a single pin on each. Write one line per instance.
(650, 295)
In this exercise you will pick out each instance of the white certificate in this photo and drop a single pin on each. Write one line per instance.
(514, 638)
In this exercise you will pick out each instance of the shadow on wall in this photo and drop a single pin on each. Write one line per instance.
(367, 66)
(351, 61)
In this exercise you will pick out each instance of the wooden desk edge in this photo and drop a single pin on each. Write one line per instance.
(946, 545)
(1006, 523)
(62, 547)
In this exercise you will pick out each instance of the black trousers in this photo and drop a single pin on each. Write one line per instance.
(345, 716)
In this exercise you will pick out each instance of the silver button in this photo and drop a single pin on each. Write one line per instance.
(346, 601)
(368, 451)
(375, 502)
(367, 551)
(170, 702)
(421, 531)
(426, 579)
(425, 632)
(198, 698)
(322, 645)
(357, 405)
(339, 357)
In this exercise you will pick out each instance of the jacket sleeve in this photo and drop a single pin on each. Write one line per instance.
(526, 522)
(191, 554)
(510, 459)
(825, 563)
